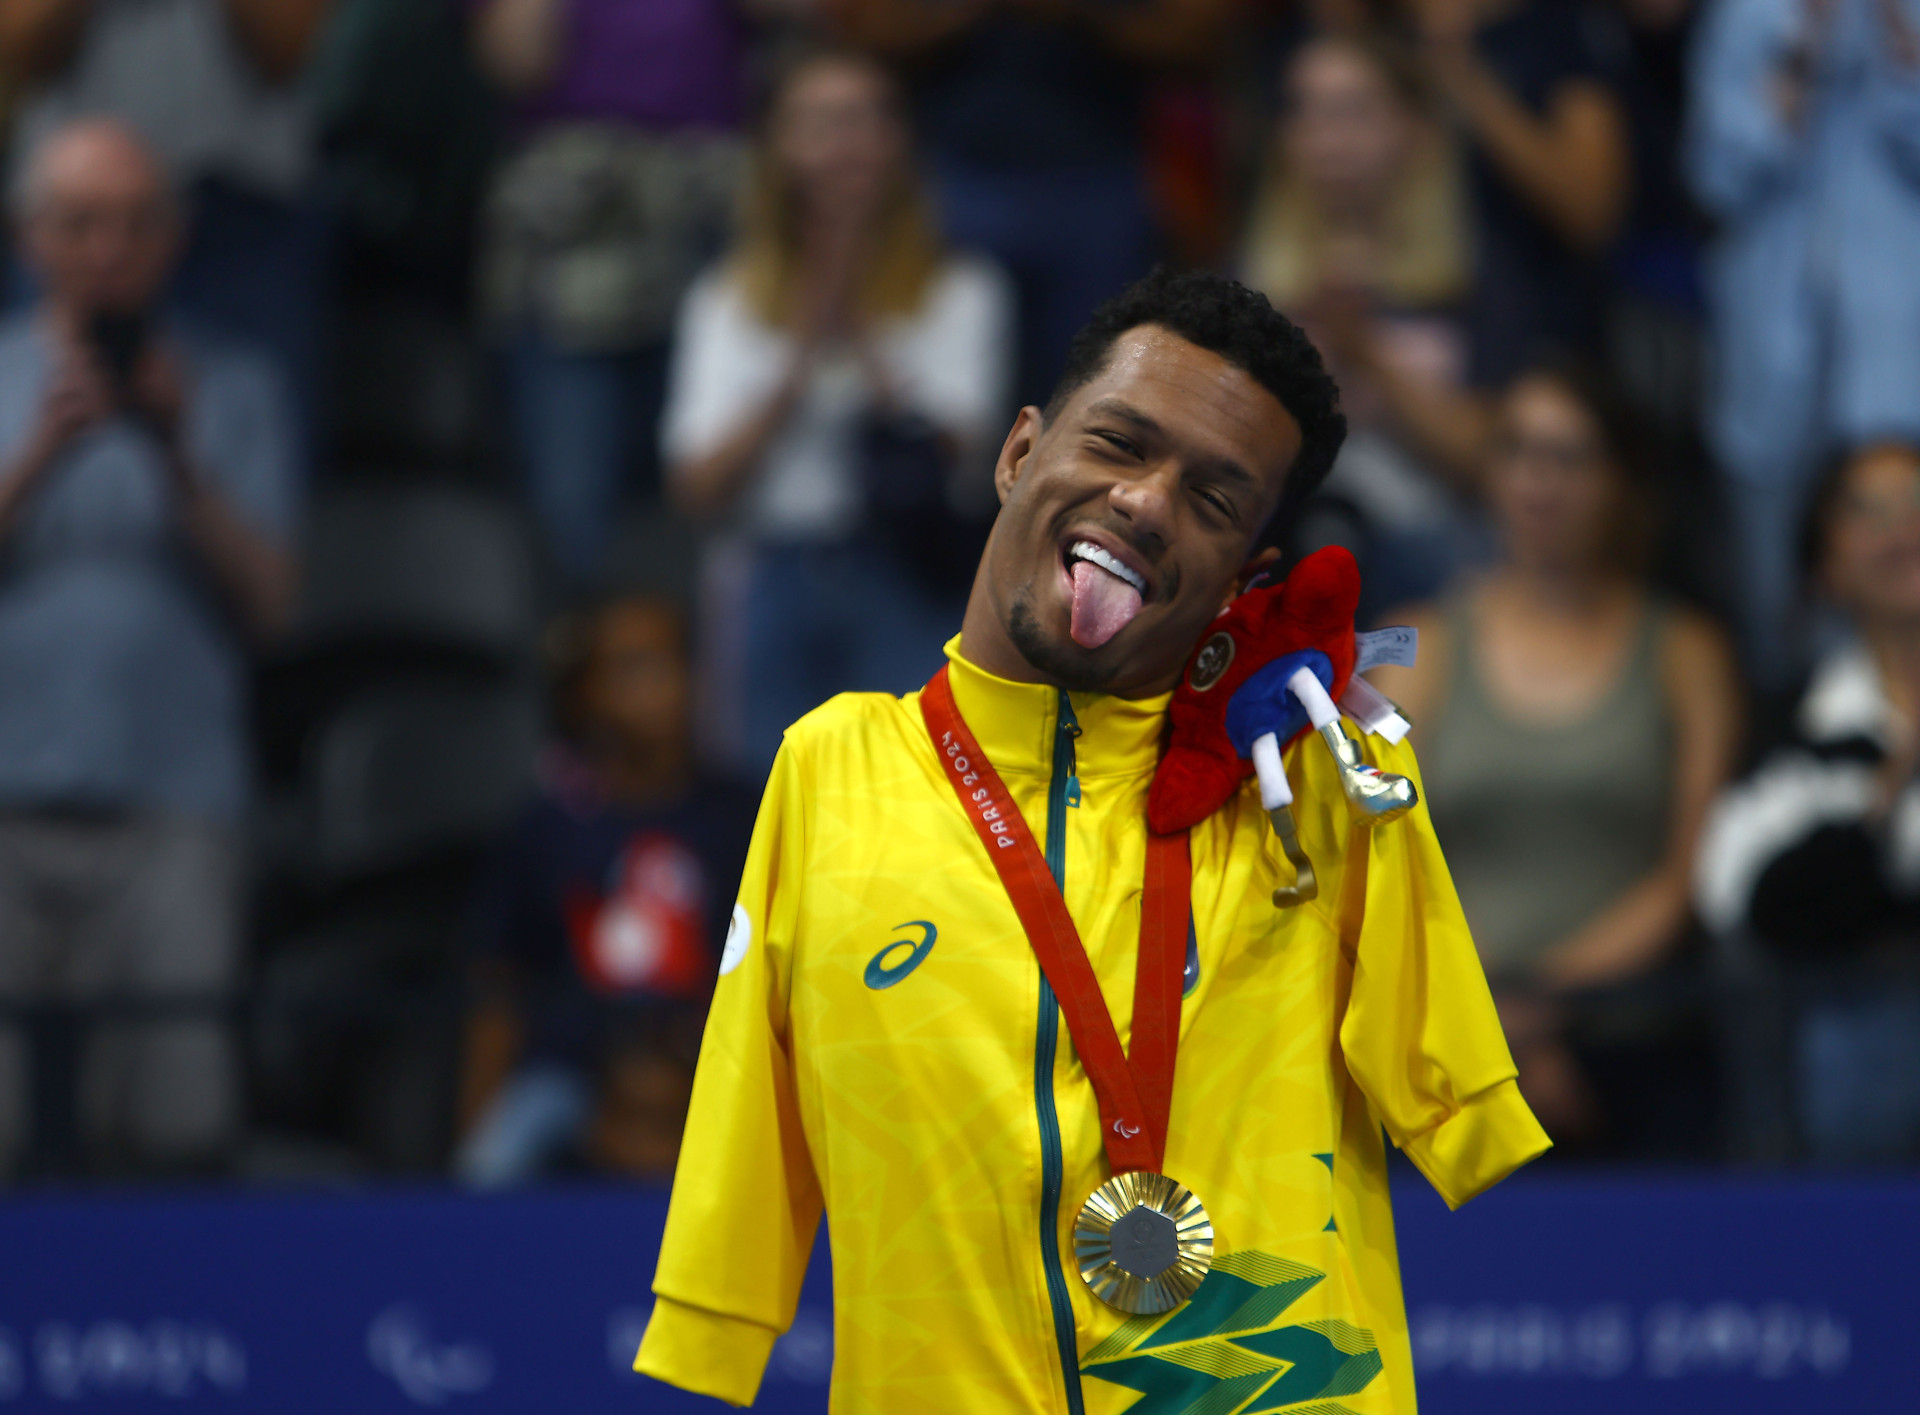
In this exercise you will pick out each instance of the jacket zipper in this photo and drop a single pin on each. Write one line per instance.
(1063, 784)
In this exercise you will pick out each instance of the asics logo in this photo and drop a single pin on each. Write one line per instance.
(882, 974)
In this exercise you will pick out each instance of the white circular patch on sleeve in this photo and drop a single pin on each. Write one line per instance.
(739, 937)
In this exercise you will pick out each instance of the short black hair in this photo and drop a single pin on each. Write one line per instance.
(1240, 326)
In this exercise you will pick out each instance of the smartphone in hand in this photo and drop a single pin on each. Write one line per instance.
(120, 338)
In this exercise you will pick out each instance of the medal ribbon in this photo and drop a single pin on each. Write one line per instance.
(1134, 1092)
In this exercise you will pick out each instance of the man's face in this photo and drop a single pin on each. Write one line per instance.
(102, 233)
(1127, 521)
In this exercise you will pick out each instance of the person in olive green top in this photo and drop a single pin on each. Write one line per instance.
(1574, 727)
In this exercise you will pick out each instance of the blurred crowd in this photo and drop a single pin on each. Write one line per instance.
(443, 443)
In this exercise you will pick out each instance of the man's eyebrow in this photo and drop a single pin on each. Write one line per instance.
(1225, 468)
(1125, 412)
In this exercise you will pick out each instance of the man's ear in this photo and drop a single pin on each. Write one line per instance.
(1022, 438)
(1262, 561)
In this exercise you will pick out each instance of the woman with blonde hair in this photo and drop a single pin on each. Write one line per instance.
(838, 383)
(1361, 184)
(1359, 231)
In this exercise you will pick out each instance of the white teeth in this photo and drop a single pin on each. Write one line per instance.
(1087, 550)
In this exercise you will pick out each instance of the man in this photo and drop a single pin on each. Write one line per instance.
(219, 88)
(883, 1043)
(145, 509)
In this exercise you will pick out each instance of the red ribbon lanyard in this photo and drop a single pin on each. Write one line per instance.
(1135, 1092)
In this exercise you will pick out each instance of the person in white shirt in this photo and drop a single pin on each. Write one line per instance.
(837, 383)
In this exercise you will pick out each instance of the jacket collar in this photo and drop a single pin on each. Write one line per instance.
(1014, 723)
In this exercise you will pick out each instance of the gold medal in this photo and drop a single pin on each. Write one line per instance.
(1143, 1242)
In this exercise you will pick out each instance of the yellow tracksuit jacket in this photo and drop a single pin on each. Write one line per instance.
(882, 1044)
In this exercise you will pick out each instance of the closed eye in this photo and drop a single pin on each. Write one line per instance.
(1218, 502)
(1118, 442)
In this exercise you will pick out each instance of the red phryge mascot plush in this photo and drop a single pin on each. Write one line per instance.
(1269, 667)
(1305, 619)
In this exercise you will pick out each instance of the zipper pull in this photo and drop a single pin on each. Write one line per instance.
(1069, 724)
(1070, 729)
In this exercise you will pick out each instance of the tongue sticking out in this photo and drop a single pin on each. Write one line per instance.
(1103, 604)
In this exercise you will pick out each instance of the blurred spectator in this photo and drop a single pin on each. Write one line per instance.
(619, 188)
(1529, 82)
(1657, 305)
(1361, 188)
(1032, 116)
(1573, 728)
(1816, 856)
(408, 136)
(839, 378)
(599, 927)
(1655, 314)
(214, 86)
(1359, 232)
(146, 506)
(1805, 145)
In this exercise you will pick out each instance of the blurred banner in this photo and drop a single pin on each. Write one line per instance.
(1562, 1295)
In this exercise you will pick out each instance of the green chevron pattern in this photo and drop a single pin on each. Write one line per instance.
(1222, 1354)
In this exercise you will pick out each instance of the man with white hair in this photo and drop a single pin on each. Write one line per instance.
(146, 507)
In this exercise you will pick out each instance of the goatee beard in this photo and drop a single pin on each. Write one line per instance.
(1063, 669)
